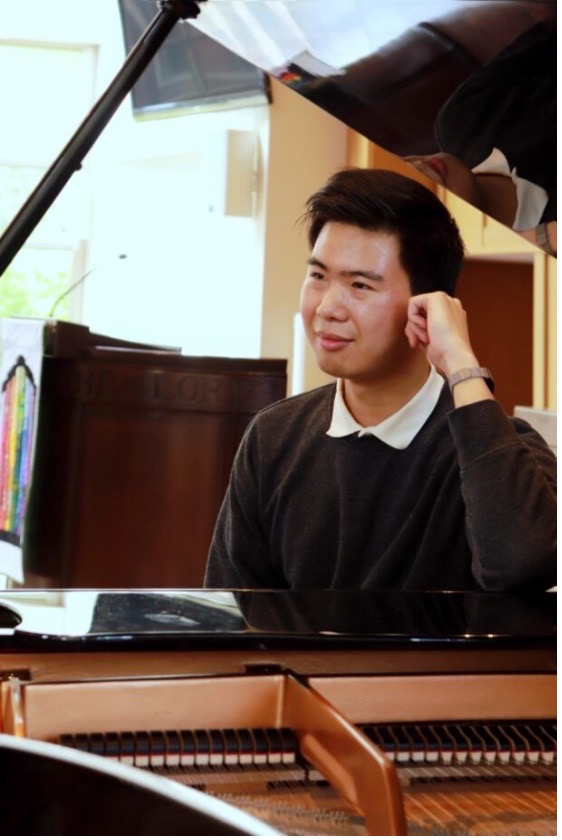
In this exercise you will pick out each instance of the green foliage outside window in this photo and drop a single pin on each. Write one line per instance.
(37, 276)
(32, 283)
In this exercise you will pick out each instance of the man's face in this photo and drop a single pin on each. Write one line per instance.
(354, 304)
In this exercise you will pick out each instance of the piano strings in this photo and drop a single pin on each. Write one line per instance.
(260, 770)
(469, 777)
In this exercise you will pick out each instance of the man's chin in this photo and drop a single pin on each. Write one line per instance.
(332, 368)
(336, 365)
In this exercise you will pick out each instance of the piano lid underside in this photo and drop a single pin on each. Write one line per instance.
(396, 73)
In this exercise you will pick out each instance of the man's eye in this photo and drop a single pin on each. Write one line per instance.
(357, 284)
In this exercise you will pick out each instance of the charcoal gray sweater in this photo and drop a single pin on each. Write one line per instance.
(469, 504)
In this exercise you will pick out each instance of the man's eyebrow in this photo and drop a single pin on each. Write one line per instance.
(368, 275)
(359, 272)
(314, 261)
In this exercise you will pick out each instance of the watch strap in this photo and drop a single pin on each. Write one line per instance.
(472, 373)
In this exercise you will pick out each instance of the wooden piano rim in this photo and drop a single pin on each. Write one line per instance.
(381, 697)
(88, 665)
(403, 698)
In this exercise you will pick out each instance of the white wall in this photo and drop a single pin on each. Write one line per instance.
(192, 276)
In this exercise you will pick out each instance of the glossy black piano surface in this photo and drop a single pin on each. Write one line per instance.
(182, 619)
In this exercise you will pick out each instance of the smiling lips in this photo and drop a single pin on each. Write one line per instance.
(332, 342)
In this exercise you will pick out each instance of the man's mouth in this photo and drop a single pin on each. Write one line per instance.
(329, 341)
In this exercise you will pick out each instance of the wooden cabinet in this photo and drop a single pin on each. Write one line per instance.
(134, 451)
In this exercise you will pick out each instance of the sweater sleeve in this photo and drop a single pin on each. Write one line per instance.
(239, 555)
(508, 483)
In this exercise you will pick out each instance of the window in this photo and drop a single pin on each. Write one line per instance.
(46, 91)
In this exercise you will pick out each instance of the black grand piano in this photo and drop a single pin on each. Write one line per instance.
(317, 713)
(324, 713)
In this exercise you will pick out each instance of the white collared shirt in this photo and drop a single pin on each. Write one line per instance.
(531, 198)
(400, 428)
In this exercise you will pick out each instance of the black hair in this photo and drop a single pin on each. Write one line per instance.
(430, 246)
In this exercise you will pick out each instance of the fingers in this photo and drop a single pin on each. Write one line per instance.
(417, 310)
(432, 167)
(432, 305)
(416, 335)
(431, 315)
(437, 324)
(416, 327)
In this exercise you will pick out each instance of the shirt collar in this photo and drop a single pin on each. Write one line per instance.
(400, 428)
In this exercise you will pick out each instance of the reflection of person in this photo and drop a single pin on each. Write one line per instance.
(388, 478)
(398, 615)
(497, 135)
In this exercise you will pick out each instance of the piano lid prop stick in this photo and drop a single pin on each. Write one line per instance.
(70, 159)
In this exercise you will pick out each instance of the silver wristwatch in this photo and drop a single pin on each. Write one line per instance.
(472, 373)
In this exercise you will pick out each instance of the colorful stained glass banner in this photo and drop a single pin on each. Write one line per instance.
(20, 376)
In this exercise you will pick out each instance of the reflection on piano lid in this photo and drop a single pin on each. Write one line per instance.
(387, 69)
(270, 619)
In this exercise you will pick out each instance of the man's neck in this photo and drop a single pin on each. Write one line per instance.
(371, 402)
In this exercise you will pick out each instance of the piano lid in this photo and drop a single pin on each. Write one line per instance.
(417, 77)
(474, 79)
(67, 619)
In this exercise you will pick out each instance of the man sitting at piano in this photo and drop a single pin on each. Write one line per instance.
(405, 473)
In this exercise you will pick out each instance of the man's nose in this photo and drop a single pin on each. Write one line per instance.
(332, 304)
